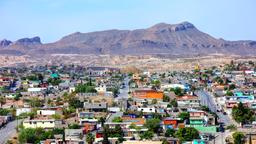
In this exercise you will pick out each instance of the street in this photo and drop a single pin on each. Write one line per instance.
(8, 131)
(208, 100)
(124, 91)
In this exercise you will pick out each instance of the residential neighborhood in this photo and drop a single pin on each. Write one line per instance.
(72, 104)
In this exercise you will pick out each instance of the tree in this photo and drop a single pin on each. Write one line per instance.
(4, 112)
(153, 124)
(169, 132)
(205, 108)
(174, 103)
(178, 91)
(85, 88)
(154, 101)
(147, 135)
(118, 131)
(242, 114)
(187, 134)
(238, 137)
(75, 103)
(56, 116)
(166, 98)
(232, 127)
(102, 121)
(184, 115)
(35, 102)
(117, 119)
(156, 83)
(105, 135)
(34, 136)
(54, 81)
(2, 100)
(232, 87)
(165, 141)
(229, 93)
(74, 126)
(90, 138)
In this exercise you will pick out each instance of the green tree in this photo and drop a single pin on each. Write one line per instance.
(166, 98)
(153, 124)
(90, 138)
(75, 103)
(85, 88)
(173, 103)
(35, 102)
(238, 137)
(165, 141)
(31, 135)
(56, 116)
(178, 91)
(187, 134)
(229, 93)
(2, 100)
(232, 87)
(117, 119)
(105, 135)
(184, 115)
(242, 114)
(169, 133)
(4, 112)
(147, 135)
(74, 126)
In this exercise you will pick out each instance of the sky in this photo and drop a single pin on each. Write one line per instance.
(53, 19)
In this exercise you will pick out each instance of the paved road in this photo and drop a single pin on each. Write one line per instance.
(124, 91)
(208, 100)
(8, 131)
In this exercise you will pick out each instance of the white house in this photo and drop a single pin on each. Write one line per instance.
(22, 110)
(42, 123)
(46, 112)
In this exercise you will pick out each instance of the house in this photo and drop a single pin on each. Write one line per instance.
(101, 88)
(22, 110)
(137, 121)
(35, 89)
(168, 86)
(74, 136)
(96, 106)
(100, 71)
(188, 101)
(43, 123)
(198, 117)
(170, 123)
(147, 94)
(86, 117)
(46, 112)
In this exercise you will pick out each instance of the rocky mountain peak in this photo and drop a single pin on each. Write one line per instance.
(28, 41)
(163, 27)
(5, 43)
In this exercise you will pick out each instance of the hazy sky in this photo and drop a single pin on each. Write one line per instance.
(53, 19)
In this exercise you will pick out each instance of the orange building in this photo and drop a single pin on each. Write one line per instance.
(170, 122)
(147, 94)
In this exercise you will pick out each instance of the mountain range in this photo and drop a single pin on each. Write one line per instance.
(172, 39)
